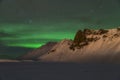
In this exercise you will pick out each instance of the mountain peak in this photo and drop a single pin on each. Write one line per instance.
(88, 46)
(83, 38)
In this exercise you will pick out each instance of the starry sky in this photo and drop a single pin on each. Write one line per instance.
(32, 23)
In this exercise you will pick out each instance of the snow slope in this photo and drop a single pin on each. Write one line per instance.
(38, 52)
(106, 49)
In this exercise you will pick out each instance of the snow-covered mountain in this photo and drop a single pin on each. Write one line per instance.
(38, 52)
(88, 46)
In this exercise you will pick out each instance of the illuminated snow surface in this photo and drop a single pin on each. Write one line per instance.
(105, 49)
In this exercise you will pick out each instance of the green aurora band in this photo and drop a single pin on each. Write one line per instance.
(36, 34)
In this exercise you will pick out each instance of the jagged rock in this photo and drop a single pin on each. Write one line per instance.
(116, 35)
(118, 29)
(87, 31)
(102, 31)
(95, 32)
(104, 36)
(79, 37)
(90, 39)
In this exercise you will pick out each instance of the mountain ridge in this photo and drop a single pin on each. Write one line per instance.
(88, 46)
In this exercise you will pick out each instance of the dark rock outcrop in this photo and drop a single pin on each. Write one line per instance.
(102, 31)
(79, 37)
(87, 31)
(82, 40)
(118, 29)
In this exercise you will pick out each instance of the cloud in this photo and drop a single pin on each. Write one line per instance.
(4, 49)
(1, 43)
(5, 34)
(13, 50)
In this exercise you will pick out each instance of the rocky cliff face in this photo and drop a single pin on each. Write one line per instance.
(82, 38)
(88, 46)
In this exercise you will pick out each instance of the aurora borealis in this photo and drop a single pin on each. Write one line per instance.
(32, 23)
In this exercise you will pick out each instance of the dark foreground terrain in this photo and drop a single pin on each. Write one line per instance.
(58, 71)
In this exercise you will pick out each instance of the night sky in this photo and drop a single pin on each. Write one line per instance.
(32, 23)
